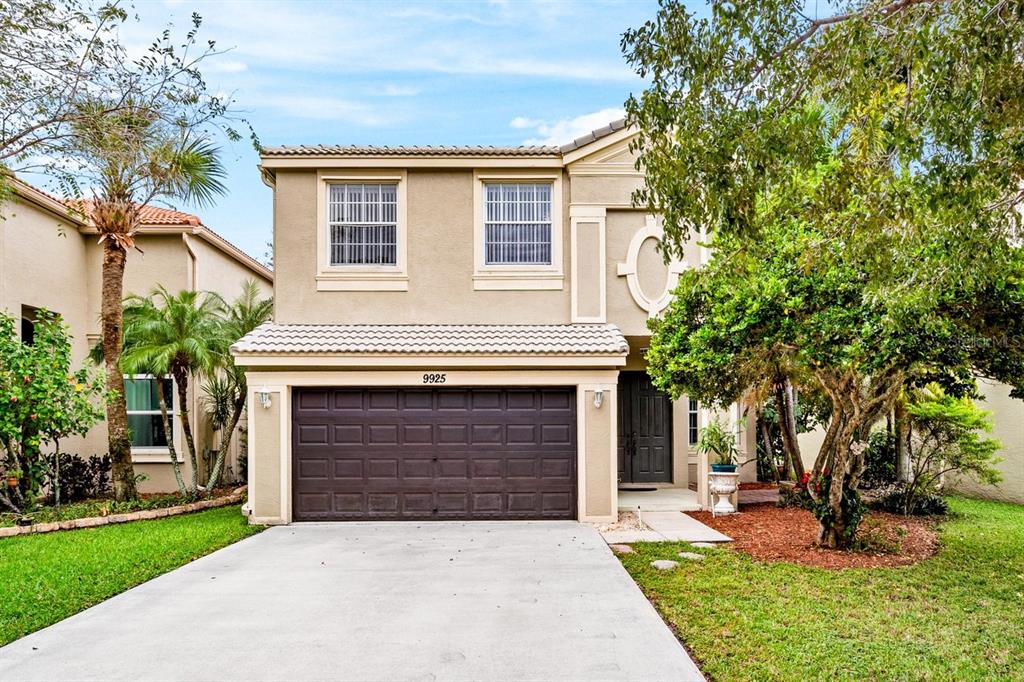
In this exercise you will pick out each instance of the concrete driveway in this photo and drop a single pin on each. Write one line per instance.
(370, 601)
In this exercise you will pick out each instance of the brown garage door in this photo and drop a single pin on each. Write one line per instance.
(444, 453)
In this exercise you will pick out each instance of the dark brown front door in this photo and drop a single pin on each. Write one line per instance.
(434, 453)
(645, 431)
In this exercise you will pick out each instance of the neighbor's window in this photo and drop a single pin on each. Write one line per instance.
(693, 425)
(144, 420)
(362, 223)
(517, 223)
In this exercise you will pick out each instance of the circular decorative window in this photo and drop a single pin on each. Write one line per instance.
(652, 229)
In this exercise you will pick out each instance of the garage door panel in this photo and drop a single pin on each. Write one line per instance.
(453, 453)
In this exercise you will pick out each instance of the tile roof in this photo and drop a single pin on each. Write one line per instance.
(593, 135)
(158, 215)
(422, 150)
(435, 339)
(444, 150)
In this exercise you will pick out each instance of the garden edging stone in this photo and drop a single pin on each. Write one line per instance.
(234, 497)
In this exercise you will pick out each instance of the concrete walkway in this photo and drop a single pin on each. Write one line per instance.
(667, 526)
(372, 601)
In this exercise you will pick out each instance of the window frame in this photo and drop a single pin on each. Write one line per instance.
(692, 422)
(360, 277)
(524, 276)
(158, 453)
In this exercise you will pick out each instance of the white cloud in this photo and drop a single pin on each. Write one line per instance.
(566, 129)
(392, 90)
(323, 108)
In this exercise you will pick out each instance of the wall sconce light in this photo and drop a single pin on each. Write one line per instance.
(263, 395)
(598, 398)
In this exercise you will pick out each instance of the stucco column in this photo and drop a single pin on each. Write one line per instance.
(703, 464)
(598, 470)
(267, 485)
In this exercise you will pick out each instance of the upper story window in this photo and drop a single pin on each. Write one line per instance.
(362, 223)
(517, 223)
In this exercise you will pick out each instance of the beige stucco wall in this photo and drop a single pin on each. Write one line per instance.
(219, 272)
(600, 468)
(609, 190)
(44, 264)
(267, 447)
(1008, 418)
(440, 262)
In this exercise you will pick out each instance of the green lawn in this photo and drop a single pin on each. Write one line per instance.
(959, 615)
(46, 578)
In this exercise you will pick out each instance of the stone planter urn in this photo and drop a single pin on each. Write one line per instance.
(722, 485)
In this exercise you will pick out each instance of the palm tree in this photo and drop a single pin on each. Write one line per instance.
(181, 335)
(245, 313)
(134, 156)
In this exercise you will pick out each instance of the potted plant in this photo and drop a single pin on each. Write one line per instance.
(719, 443)
(13, 476)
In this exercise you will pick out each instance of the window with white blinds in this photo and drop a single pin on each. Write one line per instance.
(517, 223)
(362, 223)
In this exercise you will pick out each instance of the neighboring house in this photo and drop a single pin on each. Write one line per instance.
(1008, 415)
(50, 258)
(459, 333)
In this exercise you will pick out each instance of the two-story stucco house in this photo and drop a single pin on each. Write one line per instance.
(459, 333)
(50, 258)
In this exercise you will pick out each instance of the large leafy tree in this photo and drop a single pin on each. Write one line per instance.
(181, 335)
(42, 400)
(859, 174)
(52, 54)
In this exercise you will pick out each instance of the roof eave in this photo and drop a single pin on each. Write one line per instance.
(269, 164)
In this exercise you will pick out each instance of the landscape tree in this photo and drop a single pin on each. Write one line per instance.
(228, 391)
(180, 335)
(42, 400)
(948, 437)
(157, 144)
(859, 176)
(52, 54)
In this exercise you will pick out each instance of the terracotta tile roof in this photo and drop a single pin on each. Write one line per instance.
(158, 215)
(435, 339)
(423, 150)
(593, 135)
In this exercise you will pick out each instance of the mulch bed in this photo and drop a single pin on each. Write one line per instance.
(769, 533)
(758, 485)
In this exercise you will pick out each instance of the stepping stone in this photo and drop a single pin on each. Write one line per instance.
(692, 556)
(621, 549)
(664, 564)
(704, 545)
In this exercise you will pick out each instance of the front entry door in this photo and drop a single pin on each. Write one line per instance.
(645, 431)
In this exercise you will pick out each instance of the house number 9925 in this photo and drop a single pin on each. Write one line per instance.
(435, 378)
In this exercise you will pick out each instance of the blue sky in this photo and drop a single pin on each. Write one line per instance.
(500, 72)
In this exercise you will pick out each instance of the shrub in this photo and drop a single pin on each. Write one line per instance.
(81, 479)
(893, 498)
(796, 495)
(879, 461)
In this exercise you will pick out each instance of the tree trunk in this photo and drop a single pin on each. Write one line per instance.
(161, 400)
(119, 444)
(225, 443)
(785, 405)
(902, 419)
(769, 451)
(181, 378)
